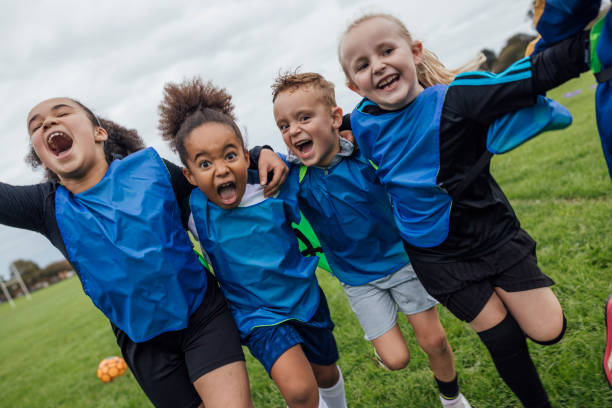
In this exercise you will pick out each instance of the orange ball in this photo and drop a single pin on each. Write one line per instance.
(110, 368)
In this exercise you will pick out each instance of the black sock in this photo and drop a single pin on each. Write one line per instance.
(449, 390)
(508, 348)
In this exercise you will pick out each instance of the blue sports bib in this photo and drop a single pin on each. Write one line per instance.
(125, 237)
(350, 211)
(256, 259)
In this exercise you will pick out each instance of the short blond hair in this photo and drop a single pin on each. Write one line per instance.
(292, 81)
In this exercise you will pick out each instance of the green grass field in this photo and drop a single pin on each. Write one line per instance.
(50, 345)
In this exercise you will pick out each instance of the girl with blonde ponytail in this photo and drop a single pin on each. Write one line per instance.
(431, 132)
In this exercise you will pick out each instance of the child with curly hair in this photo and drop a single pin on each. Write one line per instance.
(280, 311)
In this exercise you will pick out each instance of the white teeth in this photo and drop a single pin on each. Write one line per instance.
(387, 81)
(54, 134)
(301, 142)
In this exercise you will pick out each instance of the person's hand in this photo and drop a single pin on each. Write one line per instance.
(270, 162)
(348, 135)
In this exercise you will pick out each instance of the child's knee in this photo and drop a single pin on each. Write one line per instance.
(326, 376)
(397, 360)
(552, 335)
(300, 394)
(434, 344)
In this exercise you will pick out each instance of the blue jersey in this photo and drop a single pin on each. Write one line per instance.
(255, 256)
(425, 150)
(350, 211)
(125, 237)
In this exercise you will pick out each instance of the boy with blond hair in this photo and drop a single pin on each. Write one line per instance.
(352, 217)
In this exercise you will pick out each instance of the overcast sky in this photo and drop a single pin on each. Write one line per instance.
(115, 56)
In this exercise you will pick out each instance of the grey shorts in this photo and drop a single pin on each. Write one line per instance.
(376, 303)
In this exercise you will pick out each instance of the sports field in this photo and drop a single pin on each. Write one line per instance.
(50, 345)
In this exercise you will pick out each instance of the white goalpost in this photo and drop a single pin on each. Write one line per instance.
(15, 278)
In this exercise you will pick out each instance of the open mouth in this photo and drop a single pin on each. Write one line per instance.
(59, 143)
(304, 146)
(227, 193)
(388, 81)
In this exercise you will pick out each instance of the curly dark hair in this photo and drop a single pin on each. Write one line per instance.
(121, 142)
(188, 105)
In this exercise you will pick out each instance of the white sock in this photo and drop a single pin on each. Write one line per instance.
(334, 396)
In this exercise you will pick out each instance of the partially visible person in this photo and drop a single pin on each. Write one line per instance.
(607, 357)
(556, 20)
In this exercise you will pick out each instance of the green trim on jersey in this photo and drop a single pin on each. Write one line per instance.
(198, 251)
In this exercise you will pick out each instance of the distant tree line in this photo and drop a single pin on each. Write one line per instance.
(37, 278)
(513, 51)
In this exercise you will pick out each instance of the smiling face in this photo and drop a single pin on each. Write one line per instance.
(309, 127)
(217, 163)
(380, 63)
(65, 140)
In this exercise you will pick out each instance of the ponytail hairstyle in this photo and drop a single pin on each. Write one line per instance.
(430, 71)
(190, 104)
(121, 142)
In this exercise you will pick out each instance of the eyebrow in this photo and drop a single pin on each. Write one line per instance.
(54, 108)
(202, 153)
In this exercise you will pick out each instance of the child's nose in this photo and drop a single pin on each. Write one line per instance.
(221, 169)
(378, 65)
(294, 130)
(48, 123)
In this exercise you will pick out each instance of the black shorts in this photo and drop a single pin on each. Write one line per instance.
(167, 365)
(465, 287)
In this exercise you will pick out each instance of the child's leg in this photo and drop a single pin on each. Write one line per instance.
(199, 363)
(513, 267)
(331, 385)
(376, 304)
(226, 386)
(525, 292)
(320, 348)
(213, 354)
(295, 379)
(506, 343)
(392, 349)
(432, 339)
(537, 311)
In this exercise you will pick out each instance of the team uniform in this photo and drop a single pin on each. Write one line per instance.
(350, 211)
(463, 240)
(271, 287)
(556, 20)
(125, 238)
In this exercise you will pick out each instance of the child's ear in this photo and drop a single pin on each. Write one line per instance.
(100, 134)
(189, 176)
(336, 117)
(417, 51)
(246, 154)
(351, 85)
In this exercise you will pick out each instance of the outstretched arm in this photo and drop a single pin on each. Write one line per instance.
(23, 206)
(483, 97)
